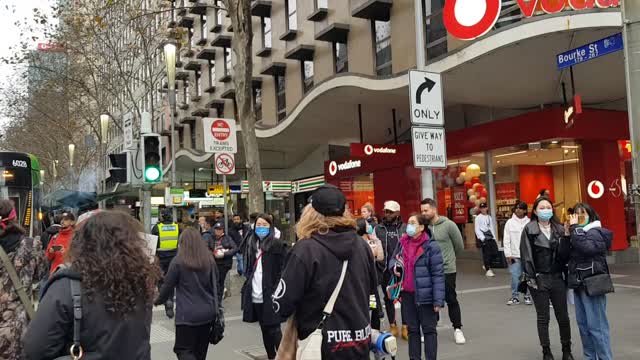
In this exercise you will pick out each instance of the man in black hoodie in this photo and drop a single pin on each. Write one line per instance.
(312, 274)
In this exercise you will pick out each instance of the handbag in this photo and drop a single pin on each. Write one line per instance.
(18, 285)
(75, 351)
(216, 333)
(311, 347)
(597, 285)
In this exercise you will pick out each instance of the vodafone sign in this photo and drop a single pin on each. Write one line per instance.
(595, 189)
(470, 19)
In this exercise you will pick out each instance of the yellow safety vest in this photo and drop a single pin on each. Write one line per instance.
(168, 234)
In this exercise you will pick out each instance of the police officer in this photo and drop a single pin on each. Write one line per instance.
(167, 248)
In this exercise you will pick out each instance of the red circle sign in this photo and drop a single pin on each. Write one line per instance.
(220, 130)
(452, 16)
(225, 164)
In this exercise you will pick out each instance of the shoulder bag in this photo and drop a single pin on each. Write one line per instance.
(75, 351)
(216, 333)
(600, 284)
(311, 347)
(17, 284)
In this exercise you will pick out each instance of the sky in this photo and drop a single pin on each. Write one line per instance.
(11, 33)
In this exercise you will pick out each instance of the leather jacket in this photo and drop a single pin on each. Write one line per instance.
(541, 255)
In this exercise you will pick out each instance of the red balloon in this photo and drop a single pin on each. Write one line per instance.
(475, 180)
(468, 185)
(484, 193)
(480, 189)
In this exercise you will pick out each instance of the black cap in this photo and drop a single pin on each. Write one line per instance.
(328, 200)
(218, 225)
(68, 216)
(483, 205)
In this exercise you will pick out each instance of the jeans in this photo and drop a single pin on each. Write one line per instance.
(240, 263)
(515, 269)
(552, 287)
(451, 298)
(420, 317)
(591, 315)
(271, 335)
(192, 342)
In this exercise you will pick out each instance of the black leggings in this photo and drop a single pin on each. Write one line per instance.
(192, 342)
(271, 334)
(552, 287)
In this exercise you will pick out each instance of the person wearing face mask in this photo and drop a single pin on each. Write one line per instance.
(486, 238)
(589, 245)
(423, 288)
(544, 251)
(389, 231)
(366, 231)
(238, 232)
(264, 263)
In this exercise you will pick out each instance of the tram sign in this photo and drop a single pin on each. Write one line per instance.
(590, 51)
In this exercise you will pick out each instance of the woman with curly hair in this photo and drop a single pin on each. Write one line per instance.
(108, 257)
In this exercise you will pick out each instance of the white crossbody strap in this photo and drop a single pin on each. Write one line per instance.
(328, 309)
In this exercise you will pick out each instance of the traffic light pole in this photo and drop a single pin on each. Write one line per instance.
(146, 208)
(172, 109)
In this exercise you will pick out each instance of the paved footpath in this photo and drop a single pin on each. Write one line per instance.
(494, 330)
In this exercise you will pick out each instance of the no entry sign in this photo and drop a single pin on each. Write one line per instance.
(225, 164)
(220, 135)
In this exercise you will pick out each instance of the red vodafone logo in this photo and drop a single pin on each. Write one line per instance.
(469, 19)
(220, 130)
(368, 149)
(595, 189)
(333, 168)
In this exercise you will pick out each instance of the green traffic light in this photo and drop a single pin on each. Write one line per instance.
(152, 174)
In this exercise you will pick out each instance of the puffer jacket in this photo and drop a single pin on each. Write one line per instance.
(588, 257)
(428, 272)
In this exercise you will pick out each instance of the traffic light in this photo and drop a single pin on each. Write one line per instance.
(118, 169)
(152, 158)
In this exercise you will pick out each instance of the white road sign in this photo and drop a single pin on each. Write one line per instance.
(220, 135)
(425, 93)
(225, 164)
(429, 147)
(128, 131)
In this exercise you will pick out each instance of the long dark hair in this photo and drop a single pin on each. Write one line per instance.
(109, 253)
(534, 216)
(593, 215)
(268, 241)
(193, 252)
(11, 226)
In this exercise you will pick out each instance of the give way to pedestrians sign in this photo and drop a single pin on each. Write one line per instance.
(225, 164)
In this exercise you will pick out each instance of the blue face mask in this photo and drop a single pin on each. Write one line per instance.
(262, 231)
(370, 229)
(412, 230)
(545, 214)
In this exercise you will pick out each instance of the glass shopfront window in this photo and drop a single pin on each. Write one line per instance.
(358, 190)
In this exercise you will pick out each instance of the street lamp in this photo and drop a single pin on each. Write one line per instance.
(104, 126)
(41, 176)
(72, 150)
(170, 59)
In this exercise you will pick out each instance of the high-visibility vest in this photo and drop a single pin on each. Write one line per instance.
(168, 234)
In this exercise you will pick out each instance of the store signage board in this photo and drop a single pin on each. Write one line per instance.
(425, 93)
(590, 51)
(225, 164)
(429, 147)
(220, 135)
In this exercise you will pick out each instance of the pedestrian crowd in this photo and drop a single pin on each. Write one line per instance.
(98, 282)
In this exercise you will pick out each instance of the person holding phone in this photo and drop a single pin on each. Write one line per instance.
(366, 231)
(511, 239)
(60, 242)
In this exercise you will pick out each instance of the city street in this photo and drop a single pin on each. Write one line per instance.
(493, 329)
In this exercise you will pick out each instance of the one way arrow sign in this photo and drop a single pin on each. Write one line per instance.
(425, 92)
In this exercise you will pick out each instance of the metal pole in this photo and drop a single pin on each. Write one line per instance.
(421, 56)
(172, 106)
(360, 123)
(146, 209)
(631, 36)
(395, 126)
(224, 196)
(493, 209)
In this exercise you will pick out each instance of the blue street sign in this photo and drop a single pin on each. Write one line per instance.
(590, 51)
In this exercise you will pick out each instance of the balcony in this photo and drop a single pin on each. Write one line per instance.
(226, 78)
(182, 75)
(187, 119)
(229, 94)
(207, 54)
(210, 90)
(301, 53)
(223, 41)
(372, 9)
(216, 104)
(261, 8)
(335, 33)
(199, 8)
(186, 21)
(289, 35)
(264, 52)
(200, 112)
(256, 82)
(318, 15)
(275, 69)
(193, 65)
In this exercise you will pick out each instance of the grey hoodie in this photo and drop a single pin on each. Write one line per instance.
(449, 238)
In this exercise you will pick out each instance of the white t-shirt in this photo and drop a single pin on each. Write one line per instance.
(256, 282)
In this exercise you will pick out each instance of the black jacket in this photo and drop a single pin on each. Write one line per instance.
(273, 260)
(196, 293)
(236, 234)
(389, 235)
(540, 255)
(105, 335)
(48, 234)
(226, 243)
(589, 247)
(311, 274)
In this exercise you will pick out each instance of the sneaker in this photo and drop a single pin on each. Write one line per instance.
(458, 335)
(514, 301)
(527, 300)
(405, 333)
(168, 309)
(490, 273)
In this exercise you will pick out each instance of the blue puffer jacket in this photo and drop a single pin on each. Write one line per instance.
(428, 272)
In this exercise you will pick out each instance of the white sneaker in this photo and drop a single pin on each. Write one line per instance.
(458, 335)
(490, 273)
(527, 300)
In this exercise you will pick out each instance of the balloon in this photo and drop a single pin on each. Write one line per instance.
(473, 198)
(482, 200)
(473, 170)
(460, 180)
(484, 193)
(475, 180)
(478, 202)
(480, 188)
(476, 186)
(470, 192)
(468, 185)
